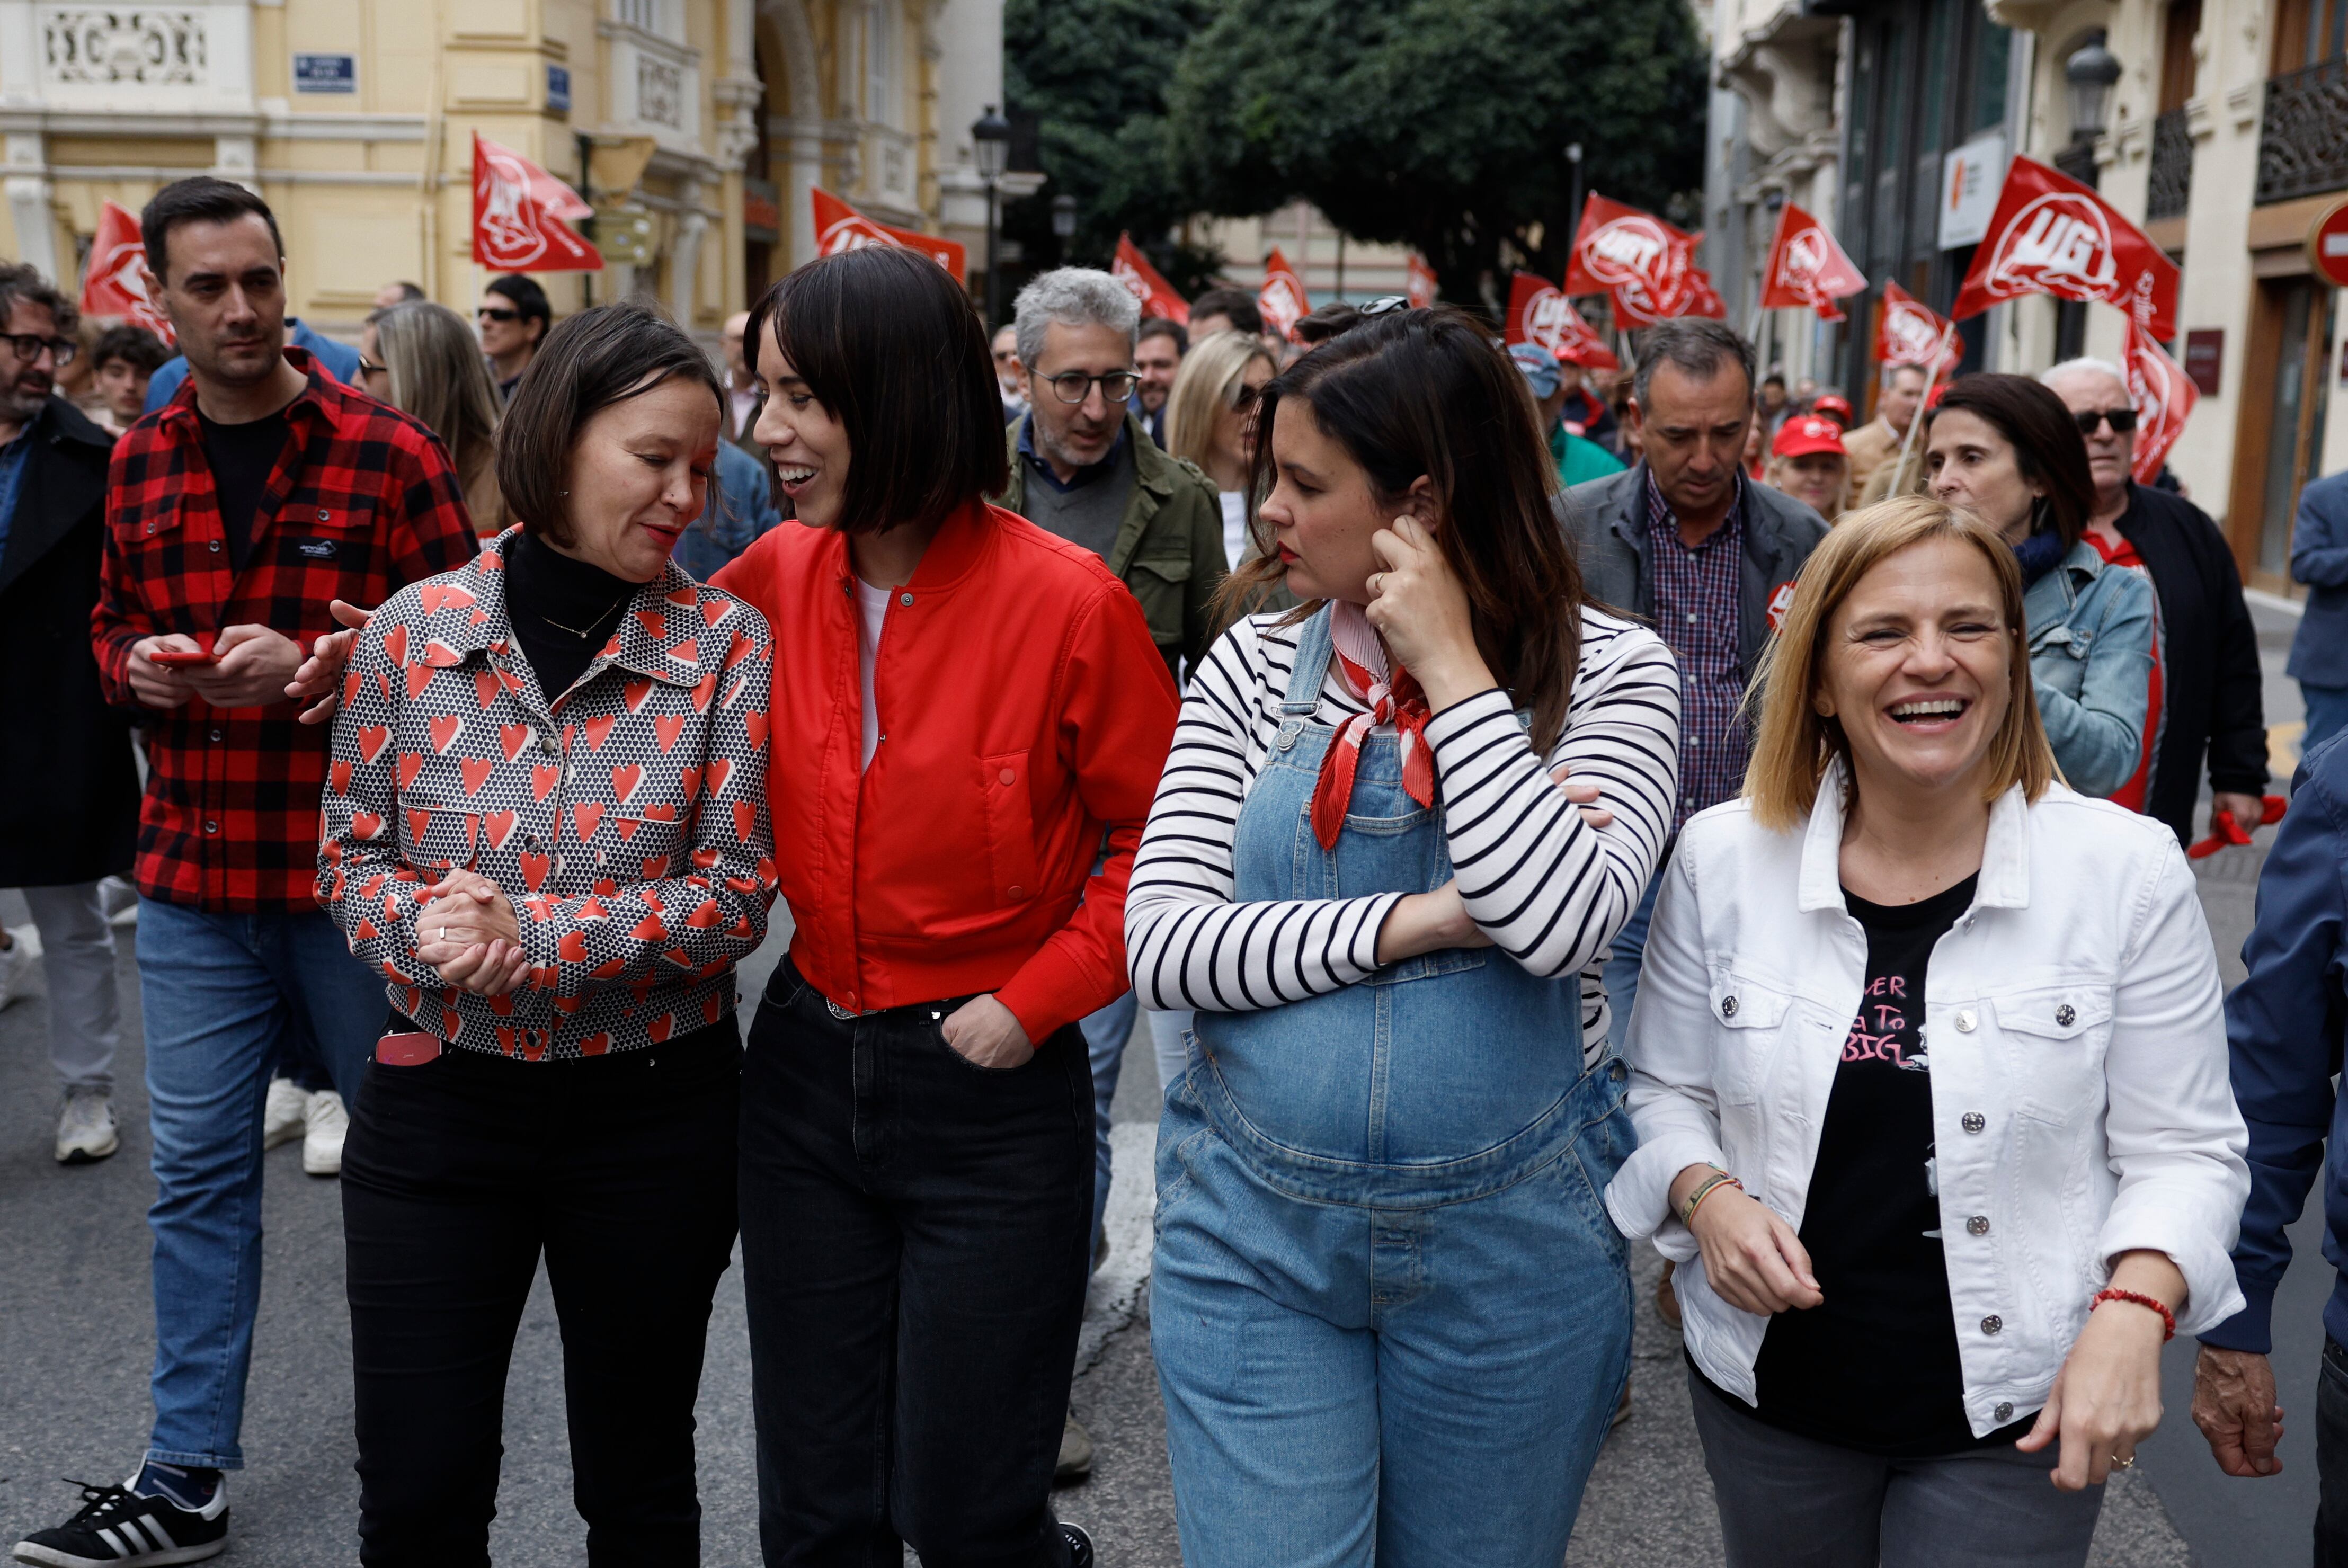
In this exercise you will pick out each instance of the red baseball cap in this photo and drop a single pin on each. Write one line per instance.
(1834, 405)
(1801, 437)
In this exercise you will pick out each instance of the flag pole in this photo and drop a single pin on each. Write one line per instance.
(1916, 420)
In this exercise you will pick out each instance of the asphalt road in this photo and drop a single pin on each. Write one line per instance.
(76, 1340)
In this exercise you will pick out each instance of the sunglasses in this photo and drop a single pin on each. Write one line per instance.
(369, 367)
(2123, 420)
(491, 313)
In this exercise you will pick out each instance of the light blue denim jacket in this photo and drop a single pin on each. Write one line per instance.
(2091, 630)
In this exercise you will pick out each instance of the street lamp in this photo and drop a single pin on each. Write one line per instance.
(990, 141)
(2091, 73)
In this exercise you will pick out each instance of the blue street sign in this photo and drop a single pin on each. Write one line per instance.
(326, 73)
(558, 88)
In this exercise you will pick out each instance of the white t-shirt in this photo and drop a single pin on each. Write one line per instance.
(1235, 526)
(872, 608)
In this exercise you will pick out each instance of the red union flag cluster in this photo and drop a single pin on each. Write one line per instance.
(2163, 395)
(1421, 285)
(1158, 297)
(521, 212)
(1282, 302)
(114, 282)
(1646, 264)
(1910, 331)
(840, 227)
(1806, 269)
(1539, 312)
(2052, 235)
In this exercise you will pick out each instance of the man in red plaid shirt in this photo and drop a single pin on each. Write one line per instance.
(235, 515)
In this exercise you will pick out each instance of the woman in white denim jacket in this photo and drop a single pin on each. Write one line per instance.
(1955, 1031)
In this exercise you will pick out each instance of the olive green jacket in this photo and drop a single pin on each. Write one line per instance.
(1168, 550)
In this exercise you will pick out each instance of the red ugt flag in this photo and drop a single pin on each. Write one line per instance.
(840, 227)
(2163, 397)
(519, 212)
(1910, 331)
(2052, 235)
(1807, 268)
(115, 283)
(1539, 313)
(1158, 297)
(1282, 302)
(1420, 286)
(1635, 256)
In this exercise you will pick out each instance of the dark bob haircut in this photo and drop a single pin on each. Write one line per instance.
(893, 349)
(2046, 442)
(593, 360)
(1427, 393)
(198, 199)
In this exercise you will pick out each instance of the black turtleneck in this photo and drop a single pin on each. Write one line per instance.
(563, 610)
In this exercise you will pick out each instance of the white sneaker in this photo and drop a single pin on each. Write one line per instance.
(18, 963)
(120, 900)
(285, 1114)
(85, 1127)
(322, 1145)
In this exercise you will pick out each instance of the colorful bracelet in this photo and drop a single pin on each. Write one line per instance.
(1718, 1179)
(2168, 1318)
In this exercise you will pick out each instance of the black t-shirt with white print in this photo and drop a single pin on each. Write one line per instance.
(1875, 1366)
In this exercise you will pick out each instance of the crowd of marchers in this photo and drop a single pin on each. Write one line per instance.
(1534, 819)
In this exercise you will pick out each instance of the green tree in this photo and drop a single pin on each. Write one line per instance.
(1440, 124)
(1095, 72)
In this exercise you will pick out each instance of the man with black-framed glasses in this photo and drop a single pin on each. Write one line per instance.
(2209, 696)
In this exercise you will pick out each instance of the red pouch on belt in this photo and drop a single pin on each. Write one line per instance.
(407, 1050)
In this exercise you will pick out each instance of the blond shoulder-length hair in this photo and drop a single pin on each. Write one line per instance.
(1795, 742)
(1207, 384)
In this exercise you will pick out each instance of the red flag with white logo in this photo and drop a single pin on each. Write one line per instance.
(1420, 284)
(114, 282)
(840, 227)
(1539, 312)
(1910, 331)
(1158, 297)
(1641, 260)
(1702, 298)
(1282, 302)
(2052, 235)
(2163, 395)
(1806, 269)
(519, 213)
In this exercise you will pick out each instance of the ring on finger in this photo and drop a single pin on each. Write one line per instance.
(2124, 1461)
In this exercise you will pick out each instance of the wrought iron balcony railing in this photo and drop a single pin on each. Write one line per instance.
(2303, 134)
(2172, 167)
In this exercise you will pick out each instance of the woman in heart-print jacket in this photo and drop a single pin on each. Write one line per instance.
(545, 823)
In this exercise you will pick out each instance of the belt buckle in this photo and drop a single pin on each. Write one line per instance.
(838, 1011)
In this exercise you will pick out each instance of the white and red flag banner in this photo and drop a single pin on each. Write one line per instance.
(1806, 269)
(1158, 297)
(840, 227)
(1636, 257)
(1910, 331)
(1702, 298)
(1539, 312)
(1419, 283)
(114, 282)
(2163, 394)
(520, 216)
(1282, 302)
(2052, 235)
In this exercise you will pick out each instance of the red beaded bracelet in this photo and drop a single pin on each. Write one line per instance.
(2168, 1318)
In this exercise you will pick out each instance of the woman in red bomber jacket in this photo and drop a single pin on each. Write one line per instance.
(965, 709)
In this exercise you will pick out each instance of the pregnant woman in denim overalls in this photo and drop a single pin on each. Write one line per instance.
(1390, 1316)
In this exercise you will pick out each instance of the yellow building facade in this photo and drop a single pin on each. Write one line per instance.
(354, 120)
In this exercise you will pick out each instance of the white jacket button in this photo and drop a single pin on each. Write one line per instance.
(1965, 1020)
(1978, 1226)
(1972, 1121)
(1728, 1006)
(1992, 1324)
(2064, 1015)
(2004, 1411)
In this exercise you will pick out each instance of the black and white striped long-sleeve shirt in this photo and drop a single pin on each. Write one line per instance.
(1548, 888)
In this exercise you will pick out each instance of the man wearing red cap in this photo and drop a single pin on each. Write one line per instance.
(1807, 463)
(1833, 406)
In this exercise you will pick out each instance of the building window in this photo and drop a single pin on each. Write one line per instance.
(879, 26)
(661, 18)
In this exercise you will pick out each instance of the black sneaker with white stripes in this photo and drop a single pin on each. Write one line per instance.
(117, 1528)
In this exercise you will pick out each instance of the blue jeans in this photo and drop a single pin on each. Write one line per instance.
(1105, 1033)
(220, 993)
(1623, 958)
(2327, 715)
(1166, 1043)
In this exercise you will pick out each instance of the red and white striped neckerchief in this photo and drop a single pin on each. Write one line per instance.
(1395, 697)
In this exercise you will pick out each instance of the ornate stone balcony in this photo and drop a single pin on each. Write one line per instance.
(2304, 133)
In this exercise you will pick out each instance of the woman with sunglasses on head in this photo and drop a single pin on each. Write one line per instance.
(974, 707)
(2007, 451)
(1390, 1317)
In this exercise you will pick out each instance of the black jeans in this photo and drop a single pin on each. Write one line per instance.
(457, 1175)
(915, 1236)
(2332, 1457)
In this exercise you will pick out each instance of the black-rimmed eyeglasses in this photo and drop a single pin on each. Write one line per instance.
(28, 346)
(1075, 385)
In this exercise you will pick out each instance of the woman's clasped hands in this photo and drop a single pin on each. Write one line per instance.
(469, 933)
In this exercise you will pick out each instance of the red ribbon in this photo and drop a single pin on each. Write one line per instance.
(1398, 702)
(2225, 832)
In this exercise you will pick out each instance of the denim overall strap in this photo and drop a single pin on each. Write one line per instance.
(1438, 1079)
